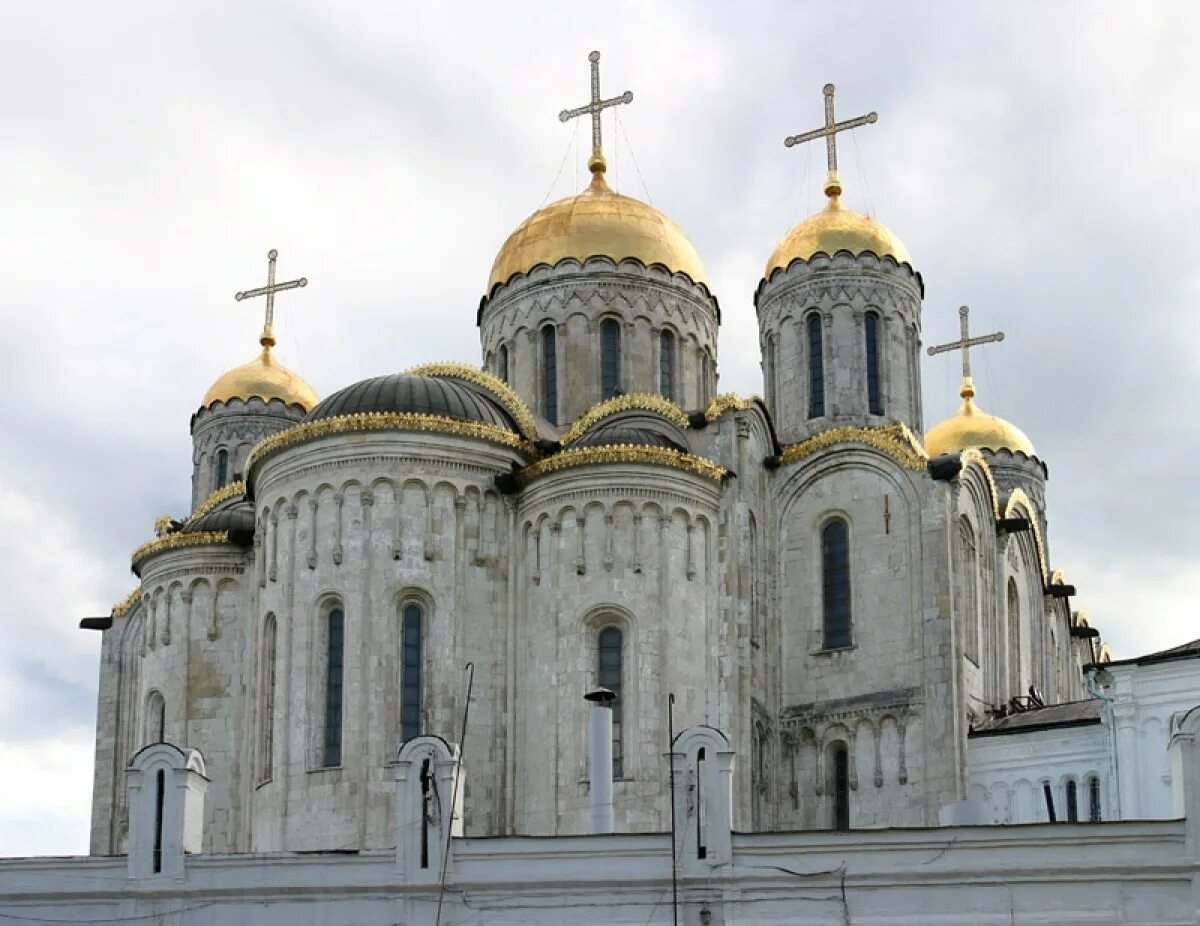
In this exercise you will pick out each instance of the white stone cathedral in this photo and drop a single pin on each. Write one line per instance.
(845, 599)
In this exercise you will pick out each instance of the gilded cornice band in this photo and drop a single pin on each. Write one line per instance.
(128, 604)
(622, 453)
(178, 541)
(385, 421)
(634, 401)
(893, 440)
(233, 490)
(503, 393)
(718, 405)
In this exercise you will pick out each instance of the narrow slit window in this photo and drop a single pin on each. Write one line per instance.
(267, 719)
(841, 789)
(335, 650)
(701, 847)
(550, 374)
(835, 582)
(666, 365)
(1072, 802)
(816, 369)
(222, 471)
(609, 671)
(410, 677)
(1094, 800)
(610, 359)
(160, 796)
(874, 394)
(502, 363)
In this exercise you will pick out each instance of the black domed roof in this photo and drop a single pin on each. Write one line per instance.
(637, 434)
(422, 395)
(236, 515)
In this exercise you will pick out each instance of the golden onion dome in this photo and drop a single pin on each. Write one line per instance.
(265, 378)
(834, 229)
(971, 427)
(597, 222)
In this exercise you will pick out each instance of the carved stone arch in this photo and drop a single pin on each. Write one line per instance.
(820, 466)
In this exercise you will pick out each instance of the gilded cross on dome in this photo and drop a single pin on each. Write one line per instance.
(267, 339)
(965, 343)
(833, 186)
(594, 109)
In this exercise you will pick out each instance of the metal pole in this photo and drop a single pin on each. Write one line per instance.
(469, 668)
(671, 763)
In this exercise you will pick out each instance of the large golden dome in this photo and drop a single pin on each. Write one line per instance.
(834, 229)
(600, 222)
(263, 377)
(971, 427)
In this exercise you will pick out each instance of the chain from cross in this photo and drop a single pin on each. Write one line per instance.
(268, 334)
(829, 133)
(966, 342)
(597, 105)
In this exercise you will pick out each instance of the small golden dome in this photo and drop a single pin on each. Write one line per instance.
(834, 229)
(263, 377)
(971, 427)
(597, 222)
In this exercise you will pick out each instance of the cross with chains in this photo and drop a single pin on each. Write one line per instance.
(829, 133)
(597, 105)
(966, 342)
(268, 335)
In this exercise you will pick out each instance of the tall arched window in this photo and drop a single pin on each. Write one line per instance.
(334, 663)
(816, 368)
(841, 789)
(609, 658)
(410, 672)
(874, 393)
(266, 722)
(1014, 639)
(769, 373)
(610, 358)
(1093, 799)
(1072, 801)
(666, 364)
(156, 717)
(835, 583)
(502, 362)
(550, 374)
(221, 473)
(970, 595)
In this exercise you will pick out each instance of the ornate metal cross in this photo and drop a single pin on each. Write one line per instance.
(966, 342)
(597, 105)
(829, 133)
(268, 334)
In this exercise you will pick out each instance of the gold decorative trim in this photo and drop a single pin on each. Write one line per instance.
(1105, 653)
(233, 490)
(892, 440)
(1080, 619)
(504, 393)
(385, 421)
(634, 401)
(130, 601)
(1018, 497)
(177, 541)
(623, 453)
(973, 456)
(162, 525)
(1058, 577)
(718, 405)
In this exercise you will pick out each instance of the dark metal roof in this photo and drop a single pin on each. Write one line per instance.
(1183, 651)
(1071, 714)
(235, 515)
(637, 434)
(424, 395)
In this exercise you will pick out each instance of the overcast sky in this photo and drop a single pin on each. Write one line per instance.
(1039, 161)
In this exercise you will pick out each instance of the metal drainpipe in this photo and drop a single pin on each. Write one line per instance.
(1094, 690)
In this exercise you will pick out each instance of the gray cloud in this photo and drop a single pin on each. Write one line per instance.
(1037, 160)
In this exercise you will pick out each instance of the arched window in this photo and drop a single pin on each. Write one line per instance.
(874, 393)
(1072, 801)
(769, 373)
(816, 369)
(1093, 799)
(550, 374)
(156, 718)
(666, 364)
(610, 358)
(1014, 639)
(970, 595)
(221, 474)
(334, 663)
(502, 363)
(841, 789)
(266, 722)
(835, 583)
(410, 672)
(609, 658)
